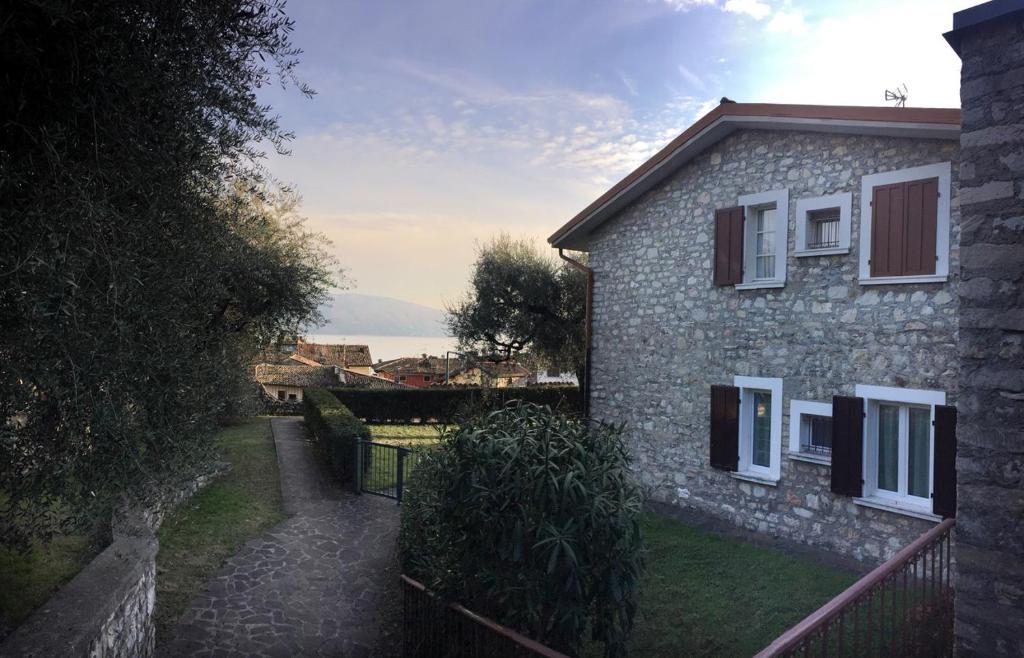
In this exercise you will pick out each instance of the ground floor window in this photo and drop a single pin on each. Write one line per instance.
(280, 394)
(810, 430)
(760, 426)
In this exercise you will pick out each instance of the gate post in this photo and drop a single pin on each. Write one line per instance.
(401, 474)
(357, 477)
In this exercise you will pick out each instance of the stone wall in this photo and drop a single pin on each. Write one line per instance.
(663, 334)
(990, 459)
(106, 611)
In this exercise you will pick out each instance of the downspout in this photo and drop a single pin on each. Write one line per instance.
(588, 329)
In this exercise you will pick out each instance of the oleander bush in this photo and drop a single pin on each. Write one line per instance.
(335, 429)
(449, 404)
(530, 517)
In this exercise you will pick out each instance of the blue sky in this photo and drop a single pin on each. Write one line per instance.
(440, 123)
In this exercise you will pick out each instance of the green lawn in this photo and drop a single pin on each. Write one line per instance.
(706, 594)
(406, 435)
(200, 535)
(27, 580)
(382, 471)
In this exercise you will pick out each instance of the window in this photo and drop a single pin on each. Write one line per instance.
(898, 445)
(280, 393)
(292, 397)
(823, 225)
(905, 218)
(751, 240)
(401, 378)
(760, 426)
(810, 431)
(765, 237)
(426, 378)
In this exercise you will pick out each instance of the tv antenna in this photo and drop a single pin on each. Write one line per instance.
(899, 95)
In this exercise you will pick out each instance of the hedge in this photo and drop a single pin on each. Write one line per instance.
(335, 429)
(449, 404)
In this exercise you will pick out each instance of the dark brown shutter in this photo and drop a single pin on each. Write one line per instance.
(904, 228)
(944, 464)
(922, 200)
(887, 211)
(847, 446)
(725, 427)
(729, 246)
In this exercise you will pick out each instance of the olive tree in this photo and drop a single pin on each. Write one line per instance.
(142, 256)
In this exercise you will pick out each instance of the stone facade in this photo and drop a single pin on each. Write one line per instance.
(990, 460)
(663, 334)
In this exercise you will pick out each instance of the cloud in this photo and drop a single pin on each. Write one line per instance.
(687, 5)
(692, 78)
(787, 22)
(627, 82)
(754, 8)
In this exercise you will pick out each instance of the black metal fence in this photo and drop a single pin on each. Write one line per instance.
(382, 468)
(435, 629)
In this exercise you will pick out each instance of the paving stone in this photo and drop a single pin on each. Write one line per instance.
(310, 586)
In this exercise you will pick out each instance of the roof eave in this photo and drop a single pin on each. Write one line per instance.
(574, 235)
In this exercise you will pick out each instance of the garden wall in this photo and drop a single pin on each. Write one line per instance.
(107, 609)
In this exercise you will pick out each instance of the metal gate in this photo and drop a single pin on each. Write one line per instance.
(381, 468)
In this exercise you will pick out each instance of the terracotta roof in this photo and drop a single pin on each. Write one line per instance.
(729, 116)
(303, 360)
(504, 369)
(296, 375)
(353, 378)
(345, 356)
(430, 365)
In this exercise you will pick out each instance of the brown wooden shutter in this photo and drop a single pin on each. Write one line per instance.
(848, 445)
(725, 427)
(887, 211)
(944, 463)
(922, 200)
(904, 228)
(729, 246)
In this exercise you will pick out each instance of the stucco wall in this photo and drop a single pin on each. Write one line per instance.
(663, 334)
(990, 460)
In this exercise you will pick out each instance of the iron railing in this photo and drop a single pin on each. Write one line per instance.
(435, 629)
(824, 232)
(902, 608)
(382, 468)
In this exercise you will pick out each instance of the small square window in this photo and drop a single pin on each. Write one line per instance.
(280, 394)
(816, 435)
(823, 225)
(292, 397)
(426, 378)
(810, 431)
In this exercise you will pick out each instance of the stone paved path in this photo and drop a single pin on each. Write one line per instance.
(312, 585)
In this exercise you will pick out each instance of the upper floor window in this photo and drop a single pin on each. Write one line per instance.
(905, 225)
(751, 241)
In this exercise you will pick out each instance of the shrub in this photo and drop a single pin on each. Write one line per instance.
(449, 404)
(335, 429)
(530, 517)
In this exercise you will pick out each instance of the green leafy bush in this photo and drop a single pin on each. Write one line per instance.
(335, 429)
(530, 517)
(449, 404)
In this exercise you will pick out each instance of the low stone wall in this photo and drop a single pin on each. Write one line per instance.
(107, 609)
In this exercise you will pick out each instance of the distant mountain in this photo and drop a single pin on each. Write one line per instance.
(368, 315)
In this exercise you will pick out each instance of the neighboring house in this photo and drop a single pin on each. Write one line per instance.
(418, 371)
(554, 376)
(491, 375)
(774, 318)
(285, 382)
(350, 357)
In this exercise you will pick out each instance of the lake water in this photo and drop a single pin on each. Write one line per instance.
(392, 347)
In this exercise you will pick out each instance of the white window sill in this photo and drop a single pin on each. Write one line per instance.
(834, 251)
(890, 280)
(814, 459)
(889, 505)
(754, 285)
(756, 478)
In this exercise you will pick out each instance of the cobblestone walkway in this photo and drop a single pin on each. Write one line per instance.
(311, 586)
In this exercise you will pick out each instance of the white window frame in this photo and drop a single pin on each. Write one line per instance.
(797, 410)
(751, 204)
(746, 469)
(940, 170)
(804, 208)
(872, 495)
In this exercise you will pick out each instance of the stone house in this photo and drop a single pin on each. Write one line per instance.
(774, 318)
(419, 372)
(491, 374)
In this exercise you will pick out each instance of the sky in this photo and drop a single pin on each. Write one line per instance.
(438, 124)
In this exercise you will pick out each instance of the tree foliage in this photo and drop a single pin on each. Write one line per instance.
(521, 299)
(142, 258)
(532, 518)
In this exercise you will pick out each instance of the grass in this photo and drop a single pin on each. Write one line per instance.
(201, 534)
(406, 435)
(27, 580)
(706, 594)
(381, 474)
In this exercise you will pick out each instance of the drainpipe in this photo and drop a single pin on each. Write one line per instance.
(588, 333)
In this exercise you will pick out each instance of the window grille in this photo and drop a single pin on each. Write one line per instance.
(823, 228)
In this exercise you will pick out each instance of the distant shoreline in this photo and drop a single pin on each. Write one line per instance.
(383, 348)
